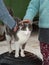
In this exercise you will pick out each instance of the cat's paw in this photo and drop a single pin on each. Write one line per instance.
(22, 55)
(16, 55)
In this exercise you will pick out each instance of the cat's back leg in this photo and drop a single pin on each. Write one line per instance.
(17, 47)
(8, 41)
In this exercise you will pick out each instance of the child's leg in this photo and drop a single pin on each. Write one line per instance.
(45, 52)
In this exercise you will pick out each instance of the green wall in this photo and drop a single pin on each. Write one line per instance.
(19, 6)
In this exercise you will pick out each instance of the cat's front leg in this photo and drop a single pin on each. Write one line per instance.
(22, 52)
(16, 50)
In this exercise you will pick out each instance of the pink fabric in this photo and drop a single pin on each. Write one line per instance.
(45, 52)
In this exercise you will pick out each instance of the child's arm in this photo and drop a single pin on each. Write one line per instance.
(32, 10)
(5, 16)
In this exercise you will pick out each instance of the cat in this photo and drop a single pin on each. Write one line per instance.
(19, 38)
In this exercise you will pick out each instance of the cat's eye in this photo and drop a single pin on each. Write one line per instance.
(23, 27)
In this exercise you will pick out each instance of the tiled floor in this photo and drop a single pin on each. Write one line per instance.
(31, 46)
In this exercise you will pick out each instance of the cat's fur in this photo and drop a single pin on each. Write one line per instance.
(19, 38)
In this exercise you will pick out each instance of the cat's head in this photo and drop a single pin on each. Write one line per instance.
(26, 26)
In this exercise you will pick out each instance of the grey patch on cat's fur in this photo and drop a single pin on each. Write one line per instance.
(12, 33)
(23, 46)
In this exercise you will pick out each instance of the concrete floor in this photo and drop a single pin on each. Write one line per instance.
(31, 46)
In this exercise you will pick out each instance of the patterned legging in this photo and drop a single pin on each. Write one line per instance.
(45, 52)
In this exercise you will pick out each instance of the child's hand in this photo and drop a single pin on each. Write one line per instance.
(24, 21)
(15, 28)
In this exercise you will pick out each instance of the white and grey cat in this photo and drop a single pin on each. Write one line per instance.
(19, 38)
